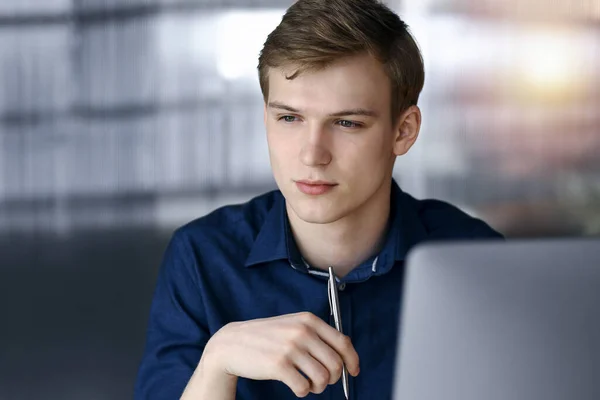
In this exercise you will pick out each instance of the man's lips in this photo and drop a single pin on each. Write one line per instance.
(314, 188)
(315, 183)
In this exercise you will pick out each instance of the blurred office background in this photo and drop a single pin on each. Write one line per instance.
(122, 119)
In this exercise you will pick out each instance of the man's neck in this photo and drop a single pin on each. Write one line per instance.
(347, 242)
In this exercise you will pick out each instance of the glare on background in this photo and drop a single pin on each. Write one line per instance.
(240, 36)
(552, 61)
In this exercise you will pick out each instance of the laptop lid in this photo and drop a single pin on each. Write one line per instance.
(501, 320)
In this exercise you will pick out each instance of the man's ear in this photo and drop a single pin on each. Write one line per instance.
(407, 130)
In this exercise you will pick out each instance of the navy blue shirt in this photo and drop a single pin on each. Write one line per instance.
(241, 262)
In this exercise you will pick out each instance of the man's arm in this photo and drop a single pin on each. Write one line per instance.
(182, 360)
(208, 382)
(177, 330)
(300, 350)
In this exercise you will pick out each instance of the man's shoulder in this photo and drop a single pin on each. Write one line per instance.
(241, 221)
(443, 220)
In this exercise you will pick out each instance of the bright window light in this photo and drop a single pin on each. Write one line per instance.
(552, 61)
(240, 36)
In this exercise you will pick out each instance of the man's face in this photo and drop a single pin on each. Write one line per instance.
(331, 126)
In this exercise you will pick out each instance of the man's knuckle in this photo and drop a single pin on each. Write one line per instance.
(302, 389)
(336, 370)
(281, 362)
(307, 317)
(301, 333)
(346, 343)
(321, 382)
(320, 388)
(291, 345)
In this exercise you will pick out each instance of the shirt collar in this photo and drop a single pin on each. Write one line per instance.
(271, 242)
(405, 230)
(276, 242)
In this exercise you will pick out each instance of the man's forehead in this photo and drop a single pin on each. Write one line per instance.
(353, 66)
(329, 88)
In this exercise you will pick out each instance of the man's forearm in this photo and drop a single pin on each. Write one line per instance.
(210, 383)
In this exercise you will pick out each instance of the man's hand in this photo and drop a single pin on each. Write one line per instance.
(279, 348)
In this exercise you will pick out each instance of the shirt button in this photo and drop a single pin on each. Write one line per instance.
(342, 287)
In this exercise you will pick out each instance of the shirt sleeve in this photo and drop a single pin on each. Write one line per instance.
(177, 329)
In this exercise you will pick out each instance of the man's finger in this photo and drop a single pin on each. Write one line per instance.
(317, 374)
(328, 357)
(340, 343)
(295, 381)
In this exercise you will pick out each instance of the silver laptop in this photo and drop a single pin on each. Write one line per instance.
(500, 320)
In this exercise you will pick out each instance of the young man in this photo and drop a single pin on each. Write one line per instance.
(241, 308)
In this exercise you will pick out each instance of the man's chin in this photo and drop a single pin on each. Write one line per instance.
(316, 214)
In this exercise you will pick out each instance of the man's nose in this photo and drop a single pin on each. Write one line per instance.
(315, 150)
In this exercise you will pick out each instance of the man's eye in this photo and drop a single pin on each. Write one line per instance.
(348, 124)
(288, 118)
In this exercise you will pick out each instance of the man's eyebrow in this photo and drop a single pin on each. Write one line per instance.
(354, 111)
(281, 106)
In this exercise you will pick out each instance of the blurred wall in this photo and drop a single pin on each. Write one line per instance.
(511, 110)
(157, 104)
(120, 120)
(121, 100)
